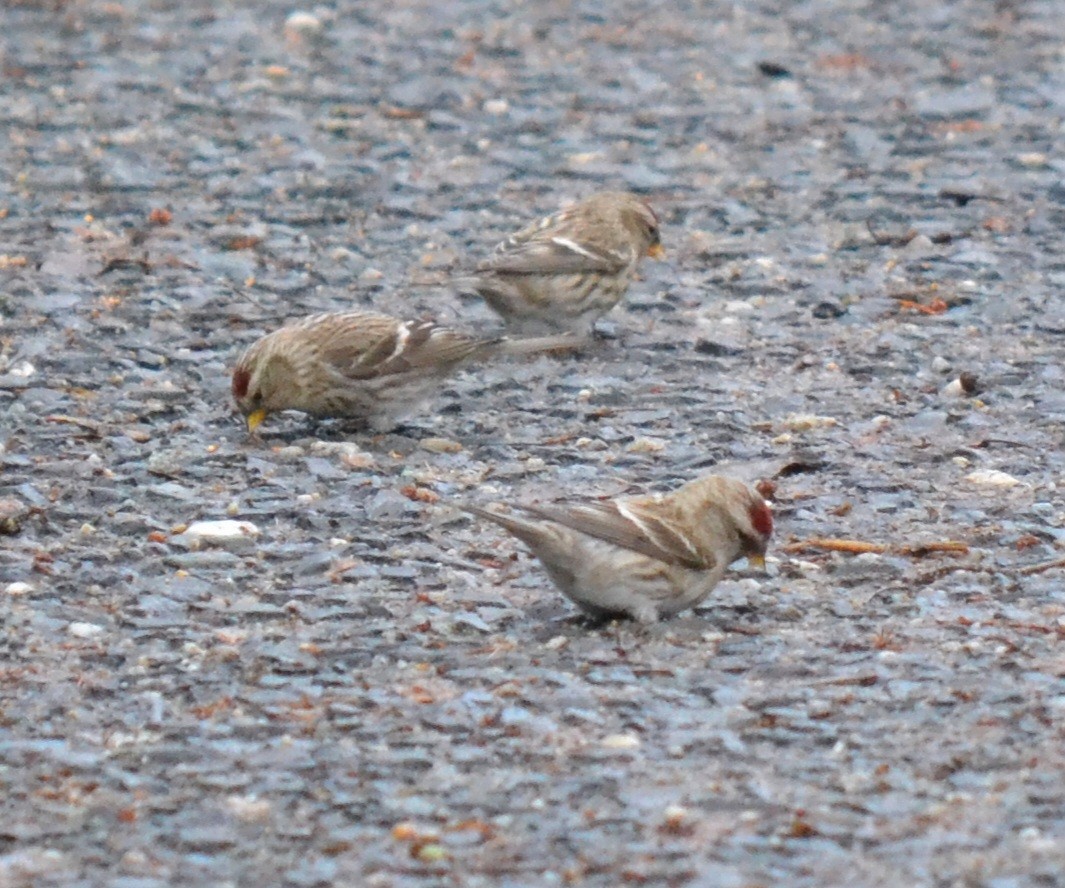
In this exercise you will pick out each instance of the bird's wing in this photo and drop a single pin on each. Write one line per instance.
(629, 524)
(417, 344)
(544, 252)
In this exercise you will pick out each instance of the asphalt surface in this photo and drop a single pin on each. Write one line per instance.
(863, 207)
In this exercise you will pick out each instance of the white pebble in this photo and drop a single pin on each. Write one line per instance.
(674, 814)
(84, 630)
(940, 364)
(920, 244)
(226, 532)
(992, 478)
(953, 389)
(336, 448)
(646, 445)
(302, 24)
(249, 808)
(1032, 159)
(621, 741)
(496, 106)
(18, 588)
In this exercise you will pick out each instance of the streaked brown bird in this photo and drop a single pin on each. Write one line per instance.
(360, 364)
(567, 270)
(644, 557)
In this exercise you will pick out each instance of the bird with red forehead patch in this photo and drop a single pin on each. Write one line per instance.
(567, 270)
(644, 557)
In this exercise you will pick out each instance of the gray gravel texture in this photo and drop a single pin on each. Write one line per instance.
(861, 202)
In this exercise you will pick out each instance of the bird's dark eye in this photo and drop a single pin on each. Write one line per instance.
(751, 544)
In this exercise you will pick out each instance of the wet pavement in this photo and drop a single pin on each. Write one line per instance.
(863, 206)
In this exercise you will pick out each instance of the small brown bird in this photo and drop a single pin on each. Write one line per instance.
(569, 269)
(645, 557)
(360, 364)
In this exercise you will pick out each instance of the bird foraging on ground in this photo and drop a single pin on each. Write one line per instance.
(569, 269)
(644, 557)
(360, 364)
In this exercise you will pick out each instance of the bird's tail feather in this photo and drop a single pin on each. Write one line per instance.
(522, 528)
(531, 345)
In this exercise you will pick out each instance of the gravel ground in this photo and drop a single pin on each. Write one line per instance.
(863, 206)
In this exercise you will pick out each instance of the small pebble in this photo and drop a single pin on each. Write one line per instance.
(440, 445)
(431, 853)
(18, 588)
(250, 809)
(302, 25)
(225, 533)
(940, 364)
(84, 630)
(674, 815)
(646, 445)
(920, 245)
(1032, 159)
(621, 741)
(992, 478)
(953, 389)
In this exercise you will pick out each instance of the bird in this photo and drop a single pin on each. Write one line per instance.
(644, 557)
(360, 364)
(567, 270)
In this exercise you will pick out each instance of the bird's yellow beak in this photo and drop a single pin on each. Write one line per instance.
(756, 561)
(255, 419)
(656, 251)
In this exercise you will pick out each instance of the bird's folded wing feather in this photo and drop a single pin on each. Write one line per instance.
(629, 526)
(362, 349)
(553, 254)
(416, 344)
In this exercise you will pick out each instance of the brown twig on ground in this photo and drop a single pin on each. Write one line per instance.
(1041, 567)
(935, 307)
(922, 549)
(86, 424)
(853, 547)
(860, 547)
